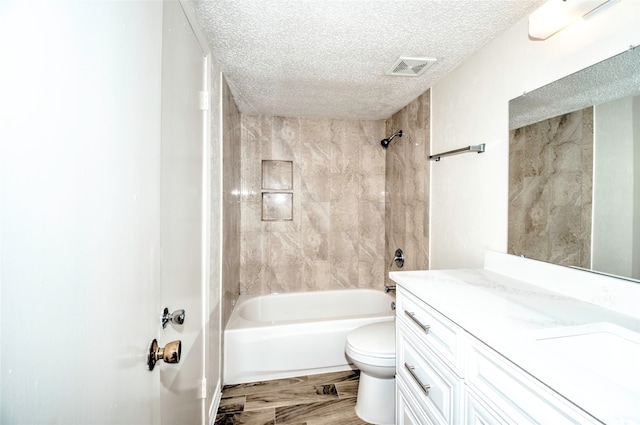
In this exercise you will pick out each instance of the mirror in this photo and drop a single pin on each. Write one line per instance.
(574, 169)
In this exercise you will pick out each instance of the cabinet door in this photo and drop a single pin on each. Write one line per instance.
(478, 413)
(515, 394)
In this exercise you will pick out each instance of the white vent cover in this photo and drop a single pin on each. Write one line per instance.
(410, 67)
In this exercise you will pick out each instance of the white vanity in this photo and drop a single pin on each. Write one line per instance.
(517, 342)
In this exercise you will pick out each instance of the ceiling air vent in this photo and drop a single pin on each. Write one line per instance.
(411, 67)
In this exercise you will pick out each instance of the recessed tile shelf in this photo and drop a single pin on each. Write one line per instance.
(277, 175)
(277, 206)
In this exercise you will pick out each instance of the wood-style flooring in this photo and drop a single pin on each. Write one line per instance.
(307, 400)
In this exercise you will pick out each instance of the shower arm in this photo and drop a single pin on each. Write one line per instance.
(397, 133)
(386, 142)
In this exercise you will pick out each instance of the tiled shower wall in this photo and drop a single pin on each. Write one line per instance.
(230, 203)
(550, 189)
(336, 237)
(407, 186)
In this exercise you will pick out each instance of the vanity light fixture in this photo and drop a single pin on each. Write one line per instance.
(556, 15)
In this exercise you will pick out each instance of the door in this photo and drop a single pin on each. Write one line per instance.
(183, 228)
(79, 219)
(94, 205)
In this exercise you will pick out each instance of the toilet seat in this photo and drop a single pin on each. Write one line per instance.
(373, 344)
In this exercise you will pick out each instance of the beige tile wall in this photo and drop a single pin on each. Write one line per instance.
(231, 208)
(407, 186)
(336, 237)
(550, 189)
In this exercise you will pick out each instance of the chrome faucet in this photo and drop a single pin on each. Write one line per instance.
(389, 288)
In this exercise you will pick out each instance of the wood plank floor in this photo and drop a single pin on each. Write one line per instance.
(307, 400)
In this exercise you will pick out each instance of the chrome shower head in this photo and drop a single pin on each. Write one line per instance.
(385, 142)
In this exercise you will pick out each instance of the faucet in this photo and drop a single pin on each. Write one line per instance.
(398, 258)
(389, 288)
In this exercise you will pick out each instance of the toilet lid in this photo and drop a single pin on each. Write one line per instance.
(376, 340)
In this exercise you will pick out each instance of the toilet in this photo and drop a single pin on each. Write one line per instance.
(372, 349)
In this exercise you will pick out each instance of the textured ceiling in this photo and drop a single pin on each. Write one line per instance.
(329, 58)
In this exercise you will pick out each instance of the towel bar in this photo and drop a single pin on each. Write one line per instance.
(473, 148)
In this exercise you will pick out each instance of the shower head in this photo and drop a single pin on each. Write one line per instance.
(385, 142)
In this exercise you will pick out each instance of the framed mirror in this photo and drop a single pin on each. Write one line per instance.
(574, 169)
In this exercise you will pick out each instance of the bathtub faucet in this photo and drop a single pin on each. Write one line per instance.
(389, 288)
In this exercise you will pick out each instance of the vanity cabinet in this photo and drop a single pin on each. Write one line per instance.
(429, 362)
(445, 375)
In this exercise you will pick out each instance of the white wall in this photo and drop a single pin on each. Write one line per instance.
(469, 193)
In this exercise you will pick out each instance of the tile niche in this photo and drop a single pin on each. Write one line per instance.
(277, 187)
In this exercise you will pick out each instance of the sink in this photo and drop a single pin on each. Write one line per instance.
(601, 348)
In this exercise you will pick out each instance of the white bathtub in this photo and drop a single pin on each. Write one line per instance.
(295, 334)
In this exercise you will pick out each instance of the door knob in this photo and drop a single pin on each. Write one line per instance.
(169, 354)
(176, 317)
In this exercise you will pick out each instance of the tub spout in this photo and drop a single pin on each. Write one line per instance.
(389, 288)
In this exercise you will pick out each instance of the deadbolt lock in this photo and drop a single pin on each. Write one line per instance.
(176, 317)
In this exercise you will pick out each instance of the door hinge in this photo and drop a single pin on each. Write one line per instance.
(204, 100)
(203, 388)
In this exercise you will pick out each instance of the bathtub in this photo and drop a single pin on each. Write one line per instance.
(295, 334)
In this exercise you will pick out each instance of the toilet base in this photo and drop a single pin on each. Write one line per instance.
(376, 399)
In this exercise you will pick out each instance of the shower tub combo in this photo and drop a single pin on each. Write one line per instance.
(295, 334)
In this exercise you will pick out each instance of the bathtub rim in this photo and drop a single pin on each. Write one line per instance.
(238, 322)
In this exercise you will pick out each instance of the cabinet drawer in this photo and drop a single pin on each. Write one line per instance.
(514, 394)
(440, 334)
(407, 410)
(436, 388)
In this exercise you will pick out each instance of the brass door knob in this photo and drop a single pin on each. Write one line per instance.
(169, 354)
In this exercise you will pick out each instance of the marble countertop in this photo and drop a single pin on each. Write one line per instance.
(512, 316)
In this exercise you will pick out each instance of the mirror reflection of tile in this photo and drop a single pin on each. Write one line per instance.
(277, 175)
(277, 206)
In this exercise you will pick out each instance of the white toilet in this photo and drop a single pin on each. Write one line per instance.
(372, 349)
